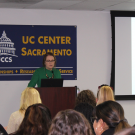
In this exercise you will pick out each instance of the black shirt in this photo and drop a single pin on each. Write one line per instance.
(109, 131)
(2, 130)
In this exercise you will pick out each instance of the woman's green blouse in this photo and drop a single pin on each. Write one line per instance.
(40, 73)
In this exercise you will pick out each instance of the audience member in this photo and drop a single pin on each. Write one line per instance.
(37, 121)
(28, 97)
(104, 93)
(127, 131)
(70, 122)
(86, 96)
(109, 118)
(86, 109)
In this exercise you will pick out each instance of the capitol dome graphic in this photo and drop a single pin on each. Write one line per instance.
(6, 46)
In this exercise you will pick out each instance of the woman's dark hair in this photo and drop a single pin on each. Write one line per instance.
(86, 96)
(127, 131)
(70, 122)
(48, 54)
(112, 114)
(86, 109)
(37, 121)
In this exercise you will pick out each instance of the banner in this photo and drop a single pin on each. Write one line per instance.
(22, 48)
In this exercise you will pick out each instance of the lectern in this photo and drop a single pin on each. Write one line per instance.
(58, 98)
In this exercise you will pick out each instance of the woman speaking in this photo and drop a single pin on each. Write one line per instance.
(46, 72)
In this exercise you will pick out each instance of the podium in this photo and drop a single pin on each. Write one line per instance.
(58, 98)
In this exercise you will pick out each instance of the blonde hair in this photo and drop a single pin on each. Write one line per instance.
(29, 97)
(105, 93)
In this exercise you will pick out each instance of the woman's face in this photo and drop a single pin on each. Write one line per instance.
(50, 62)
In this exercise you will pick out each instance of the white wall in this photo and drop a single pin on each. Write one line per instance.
(93, 52)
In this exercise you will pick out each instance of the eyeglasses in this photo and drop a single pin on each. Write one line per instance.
(50, 61)
(93, 119)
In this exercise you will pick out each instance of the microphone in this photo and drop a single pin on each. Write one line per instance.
(2, 130)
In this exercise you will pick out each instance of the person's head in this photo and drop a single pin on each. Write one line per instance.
(49, 60)
(109, 114)
(37, 120)
(86, 109)
(86, 96)
(70, 122)
(105, 93)
(127, 131)
(28, 97)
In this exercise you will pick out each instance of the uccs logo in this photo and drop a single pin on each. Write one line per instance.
(6, 48)
(6, 59)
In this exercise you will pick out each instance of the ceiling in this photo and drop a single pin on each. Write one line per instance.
(92, 5)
